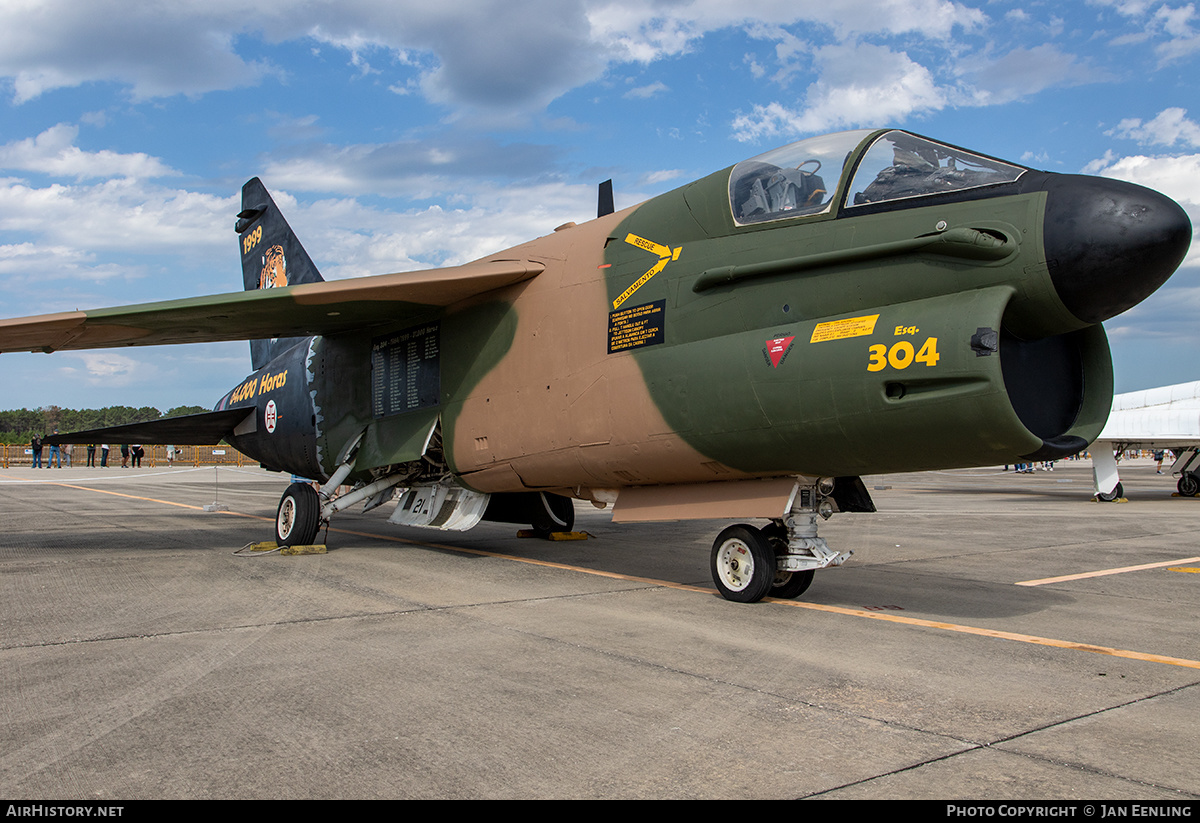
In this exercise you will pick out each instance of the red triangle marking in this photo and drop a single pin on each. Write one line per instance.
(777, 348)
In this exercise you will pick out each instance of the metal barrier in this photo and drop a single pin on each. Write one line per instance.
(21, 455)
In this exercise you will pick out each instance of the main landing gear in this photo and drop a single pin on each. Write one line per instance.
(778, 560)
(299, 516)
(303, 509)
(430, 499)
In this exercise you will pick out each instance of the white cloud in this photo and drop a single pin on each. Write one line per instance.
(1169, 127)
(349, 239)
(859, 85)
(489, 55)
(53, 152)
(644, 32)
(123, 228)
(117, 214)
(656, 178)
(447, 167)
(112, 370)
(1176, 177)
(647, 91)
(1172, 25)
(1022, 72)
(167, 49)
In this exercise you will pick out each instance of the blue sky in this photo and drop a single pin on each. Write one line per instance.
(398, 135)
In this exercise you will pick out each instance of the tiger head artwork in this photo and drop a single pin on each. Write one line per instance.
(274, 272)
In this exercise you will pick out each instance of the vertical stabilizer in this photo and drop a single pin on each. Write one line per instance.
(272, 256)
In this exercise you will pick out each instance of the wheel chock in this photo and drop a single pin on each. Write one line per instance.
(314, 548)
(553, 535)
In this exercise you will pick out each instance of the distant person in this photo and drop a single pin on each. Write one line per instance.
(138, 453)
(35, 445)
(68, 450)
(55, 455)
(124, 455)
(1158, 459)
(91, 458)
(170, 456)
(104, 455)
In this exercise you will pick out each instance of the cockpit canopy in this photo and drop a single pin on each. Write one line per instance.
(804, 178)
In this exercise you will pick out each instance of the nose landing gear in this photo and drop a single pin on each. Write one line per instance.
(778, 560)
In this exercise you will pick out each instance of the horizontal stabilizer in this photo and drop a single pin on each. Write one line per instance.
(206, 428)
(289, 311)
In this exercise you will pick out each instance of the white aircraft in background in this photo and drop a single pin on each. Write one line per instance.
(1164, 418)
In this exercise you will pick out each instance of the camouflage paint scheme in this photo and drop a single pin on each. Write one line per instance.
(797, 346)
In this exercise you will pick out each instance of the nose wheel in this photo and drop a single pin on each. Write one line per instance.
(786, 585)
(743, 564)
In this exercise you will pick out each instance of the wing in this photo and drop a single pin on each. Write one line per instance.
(1167, 417)
(288, 311)
(201, 429)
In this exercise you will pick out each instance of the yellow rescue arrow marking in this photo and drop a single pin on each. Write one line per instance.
(665, 255)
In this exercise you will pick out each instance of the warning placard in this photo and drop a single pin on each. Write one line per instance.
(636, 326)
(841, 329)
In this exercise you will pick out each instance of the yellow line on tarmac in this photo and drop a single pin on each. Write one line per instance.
(156, 500)
(1020, 638)
(1103, 572)
(130, 496)
(890, 618)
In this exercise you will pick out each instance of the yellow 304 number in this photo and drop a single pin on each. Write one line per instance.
(902, 355)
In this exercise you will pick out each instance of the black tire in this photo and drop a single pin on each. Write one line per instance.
(552, 513)
(789, 585)
(743, 564)
(786, 585)
(1116, 494)
(298, 517)
(1189, 484)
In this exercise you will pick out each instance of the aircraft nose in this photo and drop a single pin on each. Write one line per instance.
(1109, 244)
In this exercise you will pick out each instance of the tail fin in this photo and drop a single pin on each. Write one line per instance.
(271, 256)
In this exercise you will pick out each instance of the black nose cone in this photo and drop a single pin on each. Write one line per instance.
(1110, 244)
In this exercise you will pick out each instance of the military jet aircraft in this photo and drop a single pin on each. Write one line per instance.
(744, 347)
(1164, 418)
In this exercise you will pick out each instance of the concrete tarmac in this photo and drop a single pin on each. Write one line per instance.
(140, 658)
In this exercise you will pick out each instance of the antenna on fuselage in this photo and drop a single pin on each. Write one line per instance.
(604, 204)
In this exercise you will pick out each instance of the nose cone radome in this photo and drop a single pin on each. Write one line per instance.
(1109, 244)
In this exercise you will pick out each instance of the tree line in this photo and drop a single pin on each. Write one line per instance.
(20, 425)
